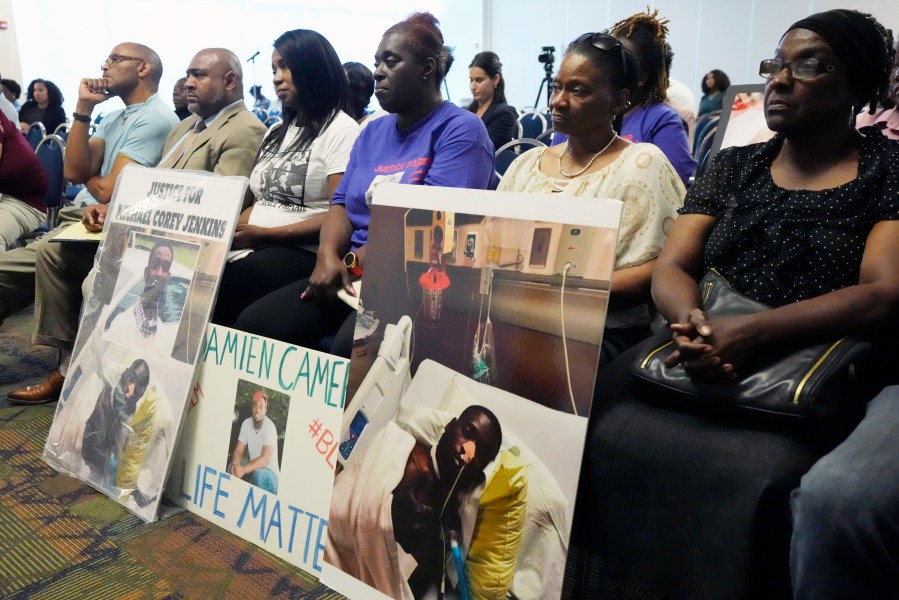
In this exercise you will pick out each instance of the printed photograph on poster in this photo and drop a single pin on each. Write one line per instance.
(742, 120)
(477, 343)
(146, 304)
(116, 423)
(148, 301)
(258, 448)
(257, 435)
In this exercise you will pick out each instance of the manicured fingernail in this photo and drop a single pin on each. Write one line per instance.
(304, 294)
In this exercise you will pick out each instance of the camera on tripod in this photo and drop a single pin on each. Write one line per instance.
(547, 57)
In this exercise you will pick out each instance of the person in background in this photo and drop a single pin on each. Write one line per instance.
(886, 117)
(485, 74)
(680, 97)
(590, 96)
(179, 99)
(362, 87)
(11, 112)
(12, 90)
(300, 164)
(713, 86)
(44, 104)
(260, 102)
(23, 184)
(650, 119)
(135, 134)
(447, 145)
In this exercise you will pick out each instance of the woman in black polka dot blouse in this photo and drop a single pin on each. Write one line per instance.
(696, 503)
(805, 222)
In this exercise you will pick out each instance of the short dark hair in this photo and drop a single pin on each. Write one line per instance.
(139, 375)
(490, 63)
(496, 439)
(321, 85)
(361, 83)
(54, 95)
(162, 243)
(13, 86)
(423, 37)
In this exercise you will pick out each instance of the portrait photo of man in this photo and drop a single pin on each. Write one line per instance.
(255, 455)
(150, 294)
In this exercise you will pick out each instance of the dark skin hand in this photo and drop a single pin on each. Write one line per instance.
(94, 217)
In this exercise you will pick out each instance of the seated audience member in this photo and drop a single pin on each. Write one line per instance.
(227, 144)
(680, 98)
(12, 90)
(590, 96)
(376, 524)
(258, 438)
(886, 116)
(807, 223)
(179, 99)
(301, 163)
(449, 147)
(485, 76)
(9, 109)
(261, 104)
(23, 184)
(714, 84)
(650, 119)
(362, 87)
(44, 104)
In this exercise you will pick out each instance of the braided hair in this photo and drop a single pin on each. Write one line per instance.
(646, 31)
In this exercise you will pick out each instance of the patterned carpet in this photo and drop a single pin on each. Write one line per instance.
(19, 360)
(63, 540)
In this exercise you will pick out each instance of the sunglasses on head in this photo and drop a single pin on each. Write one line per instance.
(605, 42)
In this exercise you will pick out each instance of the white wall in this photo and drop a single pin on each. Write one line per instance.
(64, 42)
(731, 35)
(10, 65)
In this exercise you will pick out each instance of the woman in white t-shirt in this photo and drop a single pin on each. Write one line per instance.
(299, 166)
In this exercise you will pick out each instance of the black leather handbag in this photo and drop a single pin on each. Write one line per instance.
(810, 381)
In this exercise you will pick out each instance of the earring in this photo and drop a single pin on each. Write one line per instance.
(851, 116)
(424, 77)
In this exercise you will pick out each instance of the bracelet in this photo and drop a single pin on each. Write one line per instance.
(82, 118)
(352, 264)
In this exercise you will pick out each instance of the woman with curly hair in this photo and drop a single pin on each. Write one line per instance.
(44, 104)
(714, 84)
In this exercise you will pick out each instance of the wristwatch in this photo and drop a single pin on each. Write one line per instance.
(352, 264)
(82, 118)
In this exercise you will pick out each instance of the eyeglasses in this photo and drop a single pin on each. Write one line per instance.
(114, 59)
(804, 68)
(604, 42)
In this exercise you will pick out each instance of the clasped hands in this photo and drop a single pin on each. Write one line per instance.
(712, 350)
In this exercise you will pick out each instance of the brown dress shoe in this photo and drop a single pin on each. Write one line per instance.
(41, 393)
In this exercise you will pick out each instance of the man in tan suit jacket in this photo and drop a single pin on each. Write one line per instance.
(222, 137)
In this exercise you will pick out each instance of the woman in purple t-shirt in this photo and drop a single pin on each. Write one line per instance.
(424, 141)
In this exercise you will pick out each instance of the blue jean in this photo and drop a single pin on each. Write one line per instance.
(845, 540)
(265, 479)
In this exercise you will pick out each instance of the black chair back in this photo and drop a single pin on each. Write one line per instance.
(36, 132)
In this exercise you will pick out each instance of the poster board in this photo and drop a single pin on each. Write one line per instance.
(471, 300)
(285, 510)
(153, 285)
(742, 119)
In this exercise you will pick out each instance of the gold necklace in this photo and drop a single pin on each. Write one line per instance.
(589, 164)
